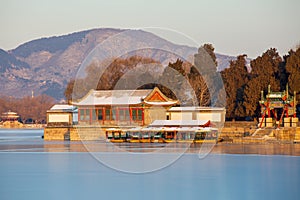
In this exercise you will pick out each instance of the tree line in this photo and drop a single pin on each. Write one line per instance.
(242, 81)
(243, 87)
(32, 110)
(178, 80)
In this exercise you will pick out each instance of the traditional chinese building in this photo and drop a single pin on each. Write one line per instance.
(213, 114)
(278, 109)
(102, 110)
(10, 116)
(125, 108)
(62, 115)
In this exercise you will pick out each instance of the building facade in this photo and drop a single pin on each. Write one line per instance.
(278, 109)
(99, 111)
(213, 114)
(10, 116)
(128, 108)
(62, 115)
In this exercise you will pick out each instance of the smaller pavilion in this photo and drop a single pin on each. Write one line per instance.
(10, 116)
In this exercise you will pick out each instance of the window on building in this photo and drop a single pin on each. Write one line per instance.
(140, 115)
(81, 114)
(84, 114)
(100, 114)
(107, 114)
(124, 114)
(87, 114)
(137, 114)
(94, 118)
(134, 114)
(114, 114)
(110, 114)
(127, 115)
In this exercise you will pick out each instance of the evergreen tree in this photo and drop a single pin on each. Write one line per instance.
(235, 78)
(211, 51)
(175, 84)
(206, 64)
(292, 61)
(265, 70)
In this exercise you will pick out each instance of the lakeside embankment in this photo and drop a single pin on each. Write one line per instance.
(30, 140)
(220, 148)
(232, 132)
(18, 125)
(238, 138)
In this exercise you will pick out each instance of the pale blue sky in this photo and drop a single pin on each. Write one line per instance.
(232, 26)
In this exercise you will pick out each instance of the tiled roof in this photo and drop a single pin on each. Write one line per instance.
(123, 97)
(113, 97)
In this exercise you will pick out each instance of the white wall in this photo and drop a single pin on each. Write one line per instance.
(181, 116)
(214, 117)
(75, 117)
(59, 118)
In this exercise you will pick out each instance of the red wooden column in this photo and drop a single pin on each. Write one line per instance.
(117, 114)
(130, 115)
(287, 112)
(143, 118)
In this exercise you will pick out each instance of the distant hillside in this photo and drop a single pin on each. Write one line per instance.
(46, 65)
(8, 61)
(51, 45)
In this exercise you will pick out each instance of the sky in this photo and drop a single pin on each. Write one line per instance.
(234, 27)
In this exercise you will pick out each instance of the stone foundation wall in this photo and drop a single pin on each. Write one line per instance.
(285, 134)
(56, 133)
(243, 124)
(233, 134)
(242, 133)
(13, 124)
(297, 135)
(87, 133)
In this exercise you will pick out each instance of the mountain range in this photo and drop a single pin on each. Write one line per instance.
(46, 65)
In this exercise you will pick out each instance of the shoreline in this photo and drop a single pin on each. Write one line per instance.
(25, 127)
(220, 148)
(270, 144)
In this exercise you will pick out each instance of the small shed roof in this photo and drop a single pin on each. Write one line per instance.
(180, 123)
(10, 115)
(63, 108)
(196, 108)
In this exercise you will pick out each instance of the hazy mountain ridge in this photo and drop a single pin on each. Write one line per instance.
(51, 44)
(8, 61)
(46, 65)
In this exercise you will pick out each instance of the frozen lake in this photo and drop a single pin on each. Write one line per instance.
(37, 174)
